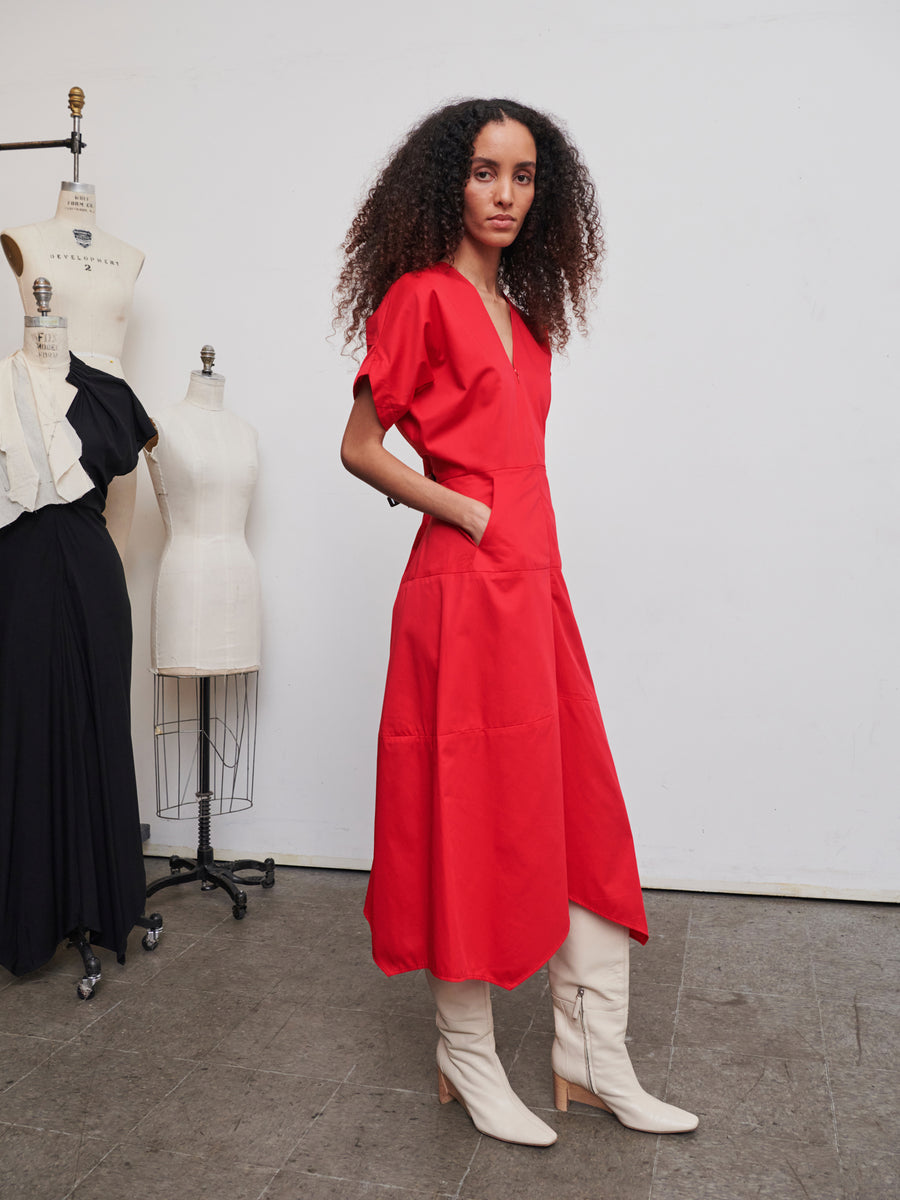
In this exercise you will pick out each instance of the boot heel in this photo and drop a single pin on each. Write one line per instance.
(445, 1091)
(564, 1092)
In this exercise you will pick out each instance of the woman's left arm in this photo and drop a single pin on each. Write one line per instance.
(364, 455)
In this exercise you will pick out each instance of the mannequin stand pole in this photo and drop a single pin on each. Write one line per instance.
(204, 868)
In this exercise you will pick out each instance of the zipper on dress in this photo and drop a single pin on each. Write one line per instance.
(578, 1014)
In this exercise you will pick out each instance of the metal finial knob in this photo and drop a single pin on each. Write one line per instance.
(43, 293)
(207, 357)
(76, 101)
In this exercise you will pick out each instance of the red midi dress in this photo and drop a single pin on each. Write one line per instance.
(497, 800)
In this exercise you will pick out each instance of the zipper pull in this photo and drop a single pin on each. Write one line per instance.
(579, 1004)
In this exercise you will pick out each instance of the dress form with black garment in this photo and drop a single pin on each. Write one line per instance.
(93, 276)
(205, 626)
(71, 861)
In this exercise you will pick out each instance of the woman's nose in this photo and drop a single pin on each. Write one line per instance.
(503, 190)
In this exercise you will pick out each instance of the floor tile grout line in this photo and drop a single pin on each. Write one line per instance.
(465, 1174)
(81, 1178)
(747, 992)
(59, 1048)
(46, 1129)
(368, 1183)
(153, 1107)
(315, 1117)
(230, 1032)
(658, 1146)
(827, 1067)
(275, 1175)
(384, 1187)
(525, 1032)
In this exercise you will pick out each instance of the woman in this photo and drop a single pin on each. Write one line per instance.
(501, 837)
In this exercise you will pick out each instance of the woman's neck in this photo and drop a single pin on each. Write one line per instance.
(206, 391)
(77, 204)
(46, 347)
(480, 265)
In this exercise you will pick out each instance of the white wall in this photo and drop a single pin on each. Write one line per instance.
(724, 450)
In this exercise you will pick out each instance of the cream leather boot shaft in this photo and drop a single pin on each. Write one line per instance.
(589, 986)
(470, 1071)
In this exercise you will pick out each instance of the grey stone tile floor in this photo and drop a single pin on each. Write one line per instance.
(269, 1059)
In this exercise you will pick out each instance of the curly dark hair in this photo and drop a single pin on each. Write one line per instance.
(412, 218)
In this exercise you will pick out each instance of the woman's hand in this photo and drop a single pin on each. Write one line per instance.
(477, 523)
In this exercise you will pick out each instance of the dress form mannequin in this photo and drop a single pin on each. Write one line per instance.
(93, 277)
(40, 448)
(206, 607)
(205, 624)
(93, 274)
(70, 854)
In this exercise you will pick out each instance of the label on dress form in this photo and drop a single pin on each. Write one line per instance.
(74, 203)
(87, 261)
(47, 347)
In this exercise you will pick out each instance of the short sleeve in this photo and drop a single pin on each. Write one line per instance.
(144, 429)
(400, 348)
(111, 422)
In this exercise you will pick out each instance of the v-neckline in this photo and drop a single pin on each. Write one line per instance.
(510, 358)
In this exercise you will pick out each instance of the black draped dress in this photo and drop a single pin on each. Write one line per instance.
(70, 845)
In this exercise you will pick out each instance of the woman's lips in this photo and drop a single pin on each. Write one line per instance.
(503, 221)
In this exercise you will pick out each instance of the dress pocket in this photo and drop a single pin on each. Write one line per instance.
(442, 548)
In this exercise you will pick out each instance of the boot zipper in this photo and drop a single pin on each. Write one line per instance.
(578, 1013)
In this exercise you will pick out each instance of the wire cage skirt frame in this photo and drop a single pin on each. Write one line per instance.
(205, 757)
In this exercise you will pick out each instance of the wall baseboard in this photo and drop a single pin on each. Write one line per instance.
(154, 850)
(802, 891)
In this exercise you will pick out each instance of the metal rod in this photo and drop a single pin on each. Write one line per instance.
(67, 142)
(204, 734)
(73, 142)
(76, 104)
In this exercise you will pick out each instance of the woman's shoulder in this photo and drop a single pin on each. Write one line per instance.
(436, 280)
(418, 298)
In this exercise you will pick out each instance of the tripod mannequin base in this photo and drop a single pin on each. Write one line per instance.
(212, 874)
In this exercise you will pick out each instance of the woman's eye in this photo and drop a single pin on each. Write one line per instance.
(524, 177)
(482, 174)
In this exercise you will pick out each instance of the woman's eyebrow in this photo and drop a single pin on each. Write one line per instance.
(490, 162)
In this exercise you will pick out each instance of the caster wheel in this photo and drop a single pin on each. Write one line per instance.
(269, 881)
(238, 912)
(174, 867)
(85, 993)
(148, 942)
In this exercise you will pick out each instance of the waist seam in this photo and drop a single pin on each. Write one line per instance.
(491, 471)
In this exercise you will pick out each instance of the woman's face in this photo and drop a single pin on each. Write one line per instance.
(500, 188)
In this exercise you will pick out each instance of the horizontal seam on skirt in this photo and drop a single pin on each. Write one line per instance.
(396, 737)
(474, 571)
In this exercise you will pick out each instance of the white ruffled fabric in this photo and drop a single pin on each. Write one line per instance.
(40, 452)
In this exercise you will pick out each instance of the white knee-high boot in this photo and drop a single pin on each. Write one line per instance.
(470, 1071)
(589, 986)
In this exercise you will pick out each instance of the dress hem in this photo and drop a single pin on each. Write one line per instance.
(640, 935)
